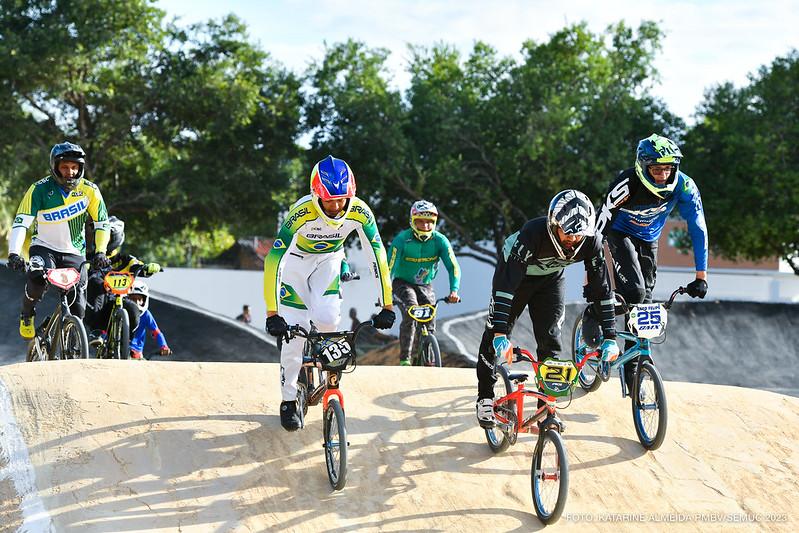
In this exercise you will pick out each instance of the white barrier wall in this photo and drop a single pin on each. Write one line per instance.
(225, 291)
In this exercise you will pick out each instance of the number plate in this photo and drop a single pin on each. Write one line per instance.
(556, 377)
(334, 353)
(63, 278)
(422, 313)
(118, 282)
(647, 320)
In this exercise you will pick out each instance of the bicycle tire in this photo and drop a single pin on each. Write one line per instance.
(586, 383)
(539, 475)
(651, 440)
(499, 440)
(119, 335)
(74, 342)
(335, 435)
(35, 353)
(431, 353)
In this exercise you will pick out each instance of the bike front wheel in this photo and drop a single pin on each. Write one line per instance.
(589, 373)
(74, 342)
(119, 335)
(499, 437)
(650, 411)
(431, 353)
(335, 435)
(549, 477)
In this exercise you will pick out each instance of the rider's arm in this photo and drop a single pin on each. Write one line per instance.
(510, 271)
(599, 289)
(26, 214)
(617, 195)
(99, 214)
(370, 240)
(447, 255)
(297, 216)
(689, 202)
(395, 252)
(156, 333)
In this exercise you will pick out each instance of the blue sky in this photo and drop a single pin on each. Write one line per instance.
(706, 43)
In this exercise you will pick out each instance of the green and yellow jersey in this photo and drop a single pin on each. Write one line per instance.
(58, 217)
(304, 232)
(415, 261)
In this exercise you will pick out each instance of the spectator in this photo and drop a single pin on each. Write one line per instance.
(245, 315)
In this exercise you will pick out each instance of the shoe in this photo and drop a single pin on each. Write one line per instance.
(134, 354)
(97, 338)
(405, 362)
(288, 416)
(485, 412)
(26, 329)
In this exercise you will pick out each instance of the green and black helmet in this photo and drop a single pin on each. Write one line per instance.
(657, 150)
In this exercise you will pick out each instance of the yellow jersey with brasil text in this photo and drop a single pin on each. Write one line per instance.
(304, 232)
(58, 217)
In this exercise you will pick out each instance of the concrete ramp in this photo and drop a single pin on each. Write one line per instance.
(96, 446)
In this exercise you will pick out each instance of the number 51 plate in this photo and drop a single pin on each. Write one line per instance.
(648, 320)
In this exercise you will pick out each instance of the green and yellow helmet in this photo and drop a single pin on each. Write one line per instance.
(657, 150)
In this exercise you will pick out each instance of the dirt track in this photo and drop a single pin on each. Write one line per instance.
(135, 446)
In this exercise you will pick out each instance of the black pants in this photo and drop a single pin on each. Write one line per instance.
(101, 303)
(543, 296)
(406, 295)
(37, 284)
(634, 271)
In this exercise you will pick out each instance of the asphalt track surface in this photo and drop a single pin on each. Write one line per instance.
(744, 344)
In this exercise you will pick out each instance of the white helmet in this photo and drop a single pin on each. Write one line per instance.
(141, 288)
(572, 212)
(426, 211)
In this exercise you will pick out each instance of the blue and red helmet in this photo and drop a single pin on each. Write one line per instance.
(332, 179)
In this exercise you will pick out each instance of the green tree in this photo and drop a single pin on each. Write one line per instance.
(184, 128)
(744, 147)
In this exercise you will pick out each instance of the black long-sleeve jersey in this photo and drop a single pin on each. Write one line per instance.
(530, 252)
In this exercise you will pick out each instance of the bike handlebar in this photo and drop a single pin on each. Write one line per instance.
(298, 331)
(680, 290)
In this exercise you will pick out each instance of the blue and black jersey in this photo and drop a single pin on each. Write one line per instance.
(630, 208)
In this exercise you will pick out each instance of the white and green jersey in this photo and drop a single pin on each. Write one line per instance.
(304, 233)
(58, 217)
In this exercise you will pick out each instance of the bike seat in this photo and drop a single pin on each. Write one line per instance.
(518, 377)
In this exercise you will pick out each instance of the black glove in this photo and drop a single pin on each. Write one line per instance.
(100, 261)
(384, 319)
(276, 326)
(349, 276)
(697, 288)
(16, 262)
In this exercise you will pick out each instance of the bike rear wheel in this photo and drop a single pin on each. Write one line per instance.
(74, 342)
(335, 435)
(650, 411)
(119, 335)
(589, 373)
(498, 438)
(431, 353)
(549, 477)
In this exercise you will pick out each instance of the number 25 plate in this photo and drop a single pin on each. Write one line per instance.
(648, 320)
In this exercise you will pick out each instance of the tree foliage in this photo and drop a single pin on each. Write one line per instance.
(184, 128)
(744, 146)
(192, 132)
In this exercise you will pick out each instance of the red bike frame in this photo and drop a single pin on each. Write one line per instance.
(530, 425)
